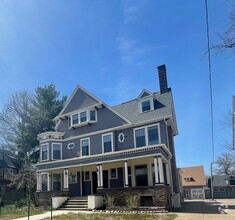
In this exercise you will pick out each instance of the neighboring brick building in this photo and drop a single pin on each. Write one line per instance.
(193, 182)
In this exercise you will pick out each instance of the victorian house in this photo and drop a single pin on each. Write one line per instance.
(98, 150)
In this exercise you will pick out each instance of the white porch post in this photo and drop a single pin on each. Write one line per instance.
(133, 175)
(126, 174)
(156, 171)
(39, 182)
(98, 175)
(161, 174)
(49, 181)
(66, 179)
(167, 174)
(150, 173)
(101, 176)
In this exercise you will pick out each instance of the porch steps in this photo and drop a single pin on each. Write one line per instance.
(75, 203)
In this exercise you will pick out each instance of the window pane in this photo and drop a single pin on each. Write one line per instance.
(75, 119)
(141, 175)
(44, 152)
(87, 175)
(44, 182)
(153, 135)
(57, 151)
(113, 173)
(107, 140)
(85, 147)
(140, 137)
(82, 117)
(145, 106)
(56, 182)
(92, 115)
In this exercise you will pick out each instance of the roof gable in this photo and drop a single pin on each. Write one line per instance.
(144, 93)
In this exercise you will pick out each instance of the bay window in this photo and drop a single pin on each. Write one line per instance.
(82, 118)
(44, 152)
(56, 151)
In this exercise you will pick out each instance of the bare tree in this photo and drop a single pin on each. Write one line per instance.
(226, 163)
(15, 121)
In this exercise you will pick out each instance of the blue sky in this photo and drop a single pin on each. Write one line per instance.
(113, 48)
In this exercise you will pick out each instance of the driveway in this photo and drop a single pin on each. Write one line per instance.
(207, 210)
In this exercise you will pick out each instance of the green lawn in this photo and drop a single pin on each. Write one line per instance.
(105, 216)
(10, 212)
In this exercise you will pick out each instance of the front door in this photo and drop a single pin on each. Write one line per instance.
(141, 175)
(94, 182)
(106, 179)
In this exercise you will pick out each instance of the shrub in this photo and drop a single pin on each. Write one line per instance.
(133, 201)
(21, 203)
(109, 201)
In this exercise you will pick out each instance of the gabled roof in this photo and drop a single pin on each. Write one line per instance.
(197, 175)
(163, 108)
(8, 159)
(220, 180)
(95, 101)
(144, 93)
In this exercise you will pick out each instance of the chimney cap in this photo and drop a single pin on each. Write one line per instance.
(162, 67)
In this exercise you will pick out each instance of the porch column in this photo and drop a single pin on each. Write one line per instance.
(150, 173)
(49, 181)
(167, 174)
(156, 171)
(126, 174)
(101, 176)
(98, 175)
(160, 167)
(39, 182)
(66, 179)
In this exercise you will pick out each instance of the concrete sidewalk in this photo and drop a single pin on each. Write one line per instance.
(206, 210)
(48, 214)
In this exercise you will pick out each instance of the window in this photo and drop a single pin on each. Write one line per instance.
(56, 182)
(72, 179)
(147, 136)
(56, 151)
(75, 119)
(83, 117)
(145, 105)
(141, 175)
(85, 145)
(92, 115)
(232, 182)
(44, 182)
(113, 173)
(44, 152)
(107, 140)
(189, 179)
(87, 176)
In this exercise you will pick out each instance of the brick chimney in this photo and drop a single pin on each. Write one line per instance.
(162, 79)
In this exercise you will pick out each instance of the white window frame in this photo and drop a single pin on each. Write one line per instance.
(52, 149)
(150, 99)
(110, 133)
(47, 145)
(76, 178)
(146, 134)
(110, 177)
(88, 138)
(88, 121)
(84, 179)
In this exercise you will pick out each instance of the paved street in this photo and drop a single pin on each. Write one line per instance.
(207, 210)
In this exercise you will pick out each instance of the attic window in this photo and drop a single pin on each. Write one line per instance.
(145, 105)
(189, 179)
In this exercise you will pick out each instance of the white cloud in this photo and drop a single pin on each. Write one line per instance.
(129, 13)
(130, 51)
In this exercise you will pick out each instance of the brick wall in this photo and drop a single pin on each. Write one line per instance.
(160, 194)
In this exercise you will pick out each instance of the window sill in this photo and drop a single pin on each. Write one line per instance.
(82, 124)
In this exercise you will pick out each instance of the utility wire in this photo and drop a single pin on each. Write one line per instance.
(210, 79)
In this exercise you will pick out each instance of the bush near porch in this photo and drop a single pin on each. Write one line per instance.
(105, 216)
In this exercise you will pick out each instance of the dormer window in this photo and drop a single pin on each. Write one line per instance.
(92, 115)
(145, 105)
(75, 119)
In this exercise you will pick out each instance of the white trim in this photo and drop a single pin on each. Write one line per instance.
(111, 133)
(145, 91)
(52, 149)
(94, 97)
(47, 145)
(85, 176)
(110, 176)
(163, 146)
(150, 99)
(89, 147)
(146, 134)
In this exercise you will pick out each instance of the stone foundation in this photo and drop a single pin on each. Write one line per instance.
(157, 196)
(44, 198)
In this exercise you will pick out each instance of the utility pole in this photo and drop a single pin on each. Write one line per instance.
(212, 191)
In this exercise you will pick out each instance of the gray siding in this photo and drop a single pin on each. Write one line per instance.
(106, 119)
(115, 183)
(79, 101)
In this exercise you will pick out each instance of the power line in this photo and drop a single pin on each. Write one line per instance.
(210, 80)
